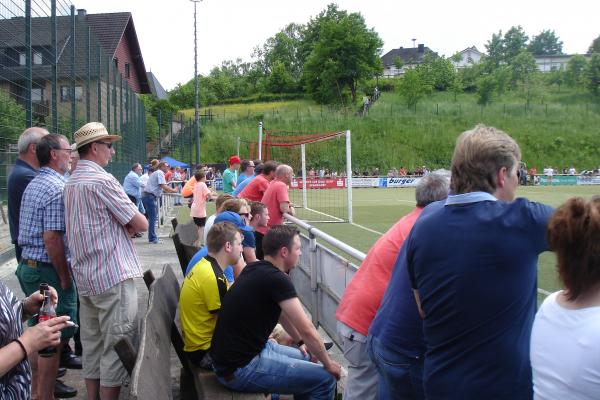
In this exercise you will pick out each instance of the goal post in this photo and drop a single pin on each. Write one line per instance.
(322, 187)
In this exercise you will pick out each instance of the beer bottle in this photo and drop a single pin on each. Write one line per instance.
(47, 312)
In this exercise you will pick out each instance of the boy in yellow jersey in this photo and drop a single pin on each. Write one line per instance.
(203, 290)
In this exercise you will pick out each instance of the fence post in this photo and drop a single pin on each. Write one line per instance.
(159, 126)
(53, 38)
(99, 83)
(108, 61)
(88, 99)
(114, 94)
(28, 71)
(73, 105)
(314, 283)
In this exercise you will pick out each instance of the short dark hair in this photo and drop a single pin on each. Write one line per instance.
(574, 234)
(277, 237)
(245, 164)
(219, 234)
(85, 149)
(135, 166)
(199, 174)
(269, 167)
(256, 207)
(46, 144)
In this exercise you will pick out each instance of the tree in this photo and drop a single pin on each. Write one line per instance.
(556, 77)
(514, 42)
(595, 46)
(413, 87)
(280, 80)
(344, 53)
(576, 71)
(593, 74)
(523, 67)
(439, 71)
(495, 49)
(485, 89)
(546, 43)
(398, 63)
(457, 86)
(12, 116)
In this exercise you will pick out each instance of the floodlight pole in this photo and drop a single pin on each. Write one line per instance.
(196, 103)
(260, 134)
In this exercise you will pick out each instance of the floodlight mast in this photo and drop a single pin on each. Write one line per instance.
(196, 102)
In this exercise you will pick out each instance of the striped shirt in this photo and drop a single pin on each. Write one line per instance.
(42, 210)
(16, 383)
(97, 211)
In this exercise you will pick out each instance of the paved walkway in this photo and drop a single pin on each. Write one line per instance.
(153, 257)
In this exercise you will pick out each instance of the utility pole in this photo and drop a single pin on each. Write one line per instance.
(196, 103)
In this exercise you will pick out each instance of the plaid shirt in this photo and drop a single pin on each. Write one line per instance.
(97, 210)
(42, 210)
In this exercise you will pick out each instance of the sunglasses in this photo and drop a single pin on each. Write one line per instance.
(247, 215)
(109, 145)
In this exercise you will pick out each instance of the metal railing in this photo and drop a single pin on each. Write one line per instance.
(322, 275)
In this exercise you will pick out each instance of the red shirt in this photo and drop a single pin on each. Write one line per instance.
(168, 175)
(276, 193)
(255, 190)
(363, 296)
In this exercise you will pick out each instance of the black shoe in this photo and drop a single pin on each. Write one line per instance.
(328, 345)
(61, 372)
(70, 361)
(63, 391)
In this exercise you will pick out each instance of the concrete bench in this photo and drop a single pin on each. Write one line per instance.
(151, 370)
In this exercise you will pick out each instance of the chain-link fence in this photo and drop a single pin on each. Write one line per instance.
(60, 68)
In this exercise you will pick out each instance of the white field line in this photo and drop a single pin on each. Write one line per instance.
(544, 292)
(325, 214)
(367, 229)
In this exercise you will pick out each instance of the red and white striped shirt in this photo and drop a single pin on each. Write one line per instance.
(96, 212)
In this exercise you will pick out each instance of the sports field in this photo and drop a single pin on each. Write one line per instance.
(376, 210)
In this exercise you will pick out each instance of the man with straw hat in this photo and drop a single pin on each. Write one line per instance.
(100, 220)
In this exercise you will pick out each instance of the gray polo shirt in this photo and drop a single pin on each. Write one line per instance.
(153, 186)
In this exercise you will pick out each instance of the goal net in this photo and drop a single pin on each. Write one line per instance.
(324, 159)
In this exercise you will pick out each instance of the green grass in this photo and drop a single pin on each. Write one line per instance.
(379, 209)
(559, 129)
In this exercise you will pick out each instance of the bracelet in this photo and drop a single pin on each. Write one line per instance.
(22, 348)
(300, 343)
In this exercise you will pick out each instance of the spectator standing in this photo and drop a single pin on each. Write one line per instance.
(144, 179)
(247, 171)
(132, 186)
(244, 358)
(100, 222)
(238, 189)
(472, 262)
(169, 174)
(572, 170)
(564, 339)
(256, 188)
(362, 298)
(230, 175)
(276, 197)
(198, 210)
(532, 175)
(45, 257)
(24, 170)
(203, 289)
(151, 196)
(549, 172)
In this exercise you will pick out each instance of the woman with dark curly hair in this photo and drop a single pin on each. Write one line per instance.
(565, 341)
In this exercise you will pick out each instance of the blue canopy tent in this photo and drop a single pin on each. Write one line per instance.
(174, 163)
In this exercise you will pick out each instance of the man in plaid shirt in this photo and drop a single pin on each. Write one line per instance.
(45, 256)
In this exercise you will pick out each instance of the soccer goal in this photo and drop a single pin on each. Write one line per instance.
(322, 187)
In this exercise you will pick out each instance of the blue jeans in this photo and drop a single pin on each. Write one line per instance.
(400, 376)
(283, 370)
(149, 202)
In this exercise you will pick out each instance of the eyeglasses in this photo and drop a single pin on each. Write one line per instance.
(63, 149)
(247, 215)
(109, 144)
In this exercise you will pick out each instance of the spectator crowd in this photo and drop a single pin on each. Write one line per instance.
(442, 307)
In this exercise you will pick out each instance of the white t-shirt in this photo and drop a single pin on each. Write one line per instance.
(210, 221)
(565, 352)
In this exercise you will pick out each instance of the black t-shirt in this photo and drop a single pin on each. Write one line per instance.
(259, 250)
(248, 314)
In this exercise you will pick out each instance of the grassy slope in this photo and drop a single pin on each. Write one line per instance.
(561, 131)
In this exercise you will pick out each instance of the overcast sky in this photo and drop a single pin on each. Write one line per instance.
(230, 29)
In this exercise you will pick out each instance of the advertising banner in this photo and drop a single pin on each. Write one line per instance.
(558, 180)
(365, 182)
(588, 180)
(399, 182)
(320, 183)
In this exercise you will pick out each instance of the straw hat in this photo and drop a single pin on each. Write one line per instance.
(92, 132)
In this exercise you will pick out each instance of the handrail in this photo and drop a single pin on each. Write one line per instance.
(359, 255)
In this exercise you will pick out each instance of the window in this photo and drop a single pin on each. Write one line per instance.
(65, 94)
(116, 63)
(37, 58)
(127, 70)
(37, 94)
